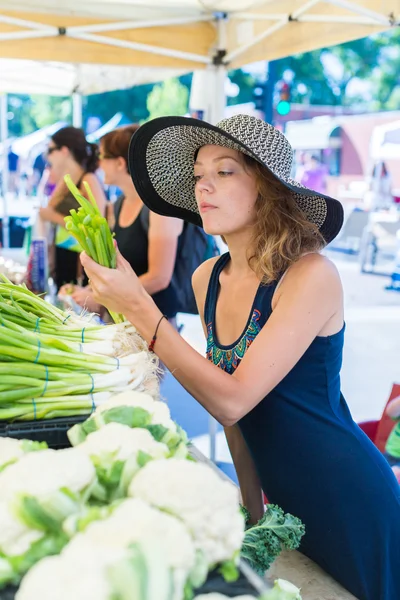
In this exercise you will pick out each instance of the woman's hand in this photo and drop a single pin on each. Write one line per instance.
(83, 296)
(67, 289)
(118, 289)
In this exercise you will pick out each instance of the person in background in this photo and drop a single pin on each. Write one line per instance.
(380, 196)
(13, 173)
(69, 154)
(148, 241)
(38, 167)
(313, 174)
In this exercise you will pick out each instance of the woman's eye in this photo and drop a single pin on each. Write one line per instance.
(224, 173)
(197, 178)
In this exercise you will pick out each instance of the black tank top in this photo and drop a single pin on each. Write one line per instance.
(133, 244)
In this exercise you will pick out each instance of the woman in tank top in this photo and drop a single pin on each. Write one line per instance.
(69, 153)
(272, 311)
(146, 240)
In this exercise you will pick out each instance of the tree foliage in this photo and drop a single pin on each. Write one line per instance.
(365, 72)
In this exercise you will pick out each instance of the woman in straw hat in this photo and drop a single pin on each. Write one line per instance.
(272, 311)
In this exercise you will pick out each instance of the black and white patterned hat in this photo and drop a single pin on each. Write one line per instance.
(161, 158)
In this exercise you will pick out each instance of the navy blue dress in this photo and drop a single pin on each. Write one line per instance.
(315, 462)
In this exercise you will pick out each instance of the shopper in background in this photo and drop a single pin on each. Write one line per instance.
(69, 154)
(148, 241)
(313, 174)
(13, 172)
(379, 195)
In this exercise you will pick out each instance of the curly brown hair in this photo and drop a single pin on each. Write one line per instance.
(282, 232)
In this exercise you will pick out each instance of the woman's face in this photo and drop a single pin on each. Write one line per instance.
(226, 192)
(56, 156)
(111, 167)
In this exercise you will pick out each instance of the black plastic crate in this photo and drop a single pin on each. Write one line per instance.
(53, 431)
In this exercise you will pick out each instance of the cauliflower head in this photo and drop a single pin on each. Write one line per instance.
(193, 492)
(121, 442)
(42, 473)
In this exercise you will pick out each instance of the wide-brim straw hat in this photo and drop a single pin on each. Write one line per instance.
(162, 154)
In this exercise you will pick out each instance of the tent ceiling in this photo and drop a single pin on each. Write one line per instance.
(62, 79)
(179, 35)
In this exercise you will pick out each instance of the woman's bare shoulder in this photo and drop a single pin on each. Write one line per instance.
(202, 274)
(314, 266)
(314, 272)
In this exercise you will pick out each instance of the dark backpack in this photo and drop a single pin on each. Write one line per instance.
(194, 247)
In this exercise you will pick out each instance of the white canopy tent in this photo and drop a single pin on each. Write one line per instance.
(385, 141)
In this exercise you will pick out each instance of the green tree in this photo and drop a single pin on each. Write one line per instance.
(29, 113)
(50, 109)
(170, 97)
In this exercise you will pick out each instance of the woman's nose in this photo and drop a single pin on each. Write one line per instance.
(205, 184)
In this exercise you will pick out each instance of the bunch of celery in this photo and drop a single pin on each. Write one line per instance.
(91, 231)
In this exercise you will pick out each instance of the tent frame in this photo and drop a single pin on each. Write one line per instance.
(90, 33)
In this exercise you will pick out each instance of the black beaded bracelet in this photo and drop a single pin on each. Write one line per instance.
(153, 341)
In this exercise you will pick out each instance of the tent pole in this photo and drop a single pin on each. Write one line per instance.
(4, 166)
(219, 69)
(77, 116)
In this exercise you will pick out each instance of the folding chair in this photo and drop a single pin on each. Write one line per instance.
(379, 431)
(349, 240)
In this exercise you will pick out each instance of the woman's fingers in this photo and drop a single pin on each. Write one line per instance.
(122, 263)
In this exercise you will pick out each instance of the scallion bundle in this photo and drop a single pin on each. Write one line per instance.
(53, 363)
(91, 231)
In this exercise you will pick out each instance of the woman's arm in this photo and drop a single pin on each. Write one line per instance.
(162, 248)
(48, 213)
(310, 297)
(58, 194)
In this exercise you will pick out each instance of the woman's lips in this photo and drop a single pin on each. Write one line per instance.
(205, 207)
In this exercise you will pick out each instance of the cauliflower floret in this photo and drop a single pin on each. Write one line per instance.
(41, 473)
(10, 450)
(67, 577)
(135, 521)
(158, 410)
(86, 570)
(193, 492)
(15, 537)
(122, 442)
